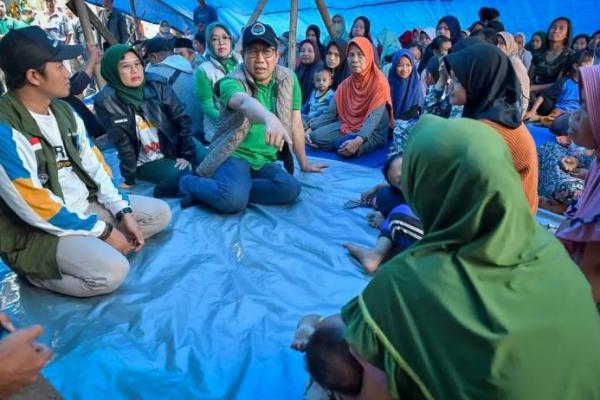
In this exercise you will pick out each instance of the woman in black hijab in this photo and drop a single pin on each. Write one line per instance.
(313, 32)
(449, 27)
(336, 61)
(492, 87)
(310, 62)
(485, 82)
(361, 27)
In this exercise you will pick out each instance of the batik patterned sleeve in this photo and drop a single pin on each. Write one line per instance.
(21, 190)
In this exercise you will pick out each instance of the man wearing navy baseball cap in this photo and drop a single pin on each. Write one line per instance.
(259, 123)
(64, 226)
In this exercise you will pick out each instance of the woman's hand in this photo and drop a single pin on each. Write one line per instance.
(183, 164)
(350, 147)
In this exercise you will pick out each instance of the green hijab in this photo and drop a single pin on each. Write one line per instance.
(110, 72)
(487, 305)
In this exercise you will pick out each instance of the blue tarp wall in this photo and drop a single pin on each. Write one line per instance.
(399, 15)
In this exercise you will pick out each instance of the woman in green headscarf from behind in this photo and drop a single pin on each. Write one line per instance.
(487, 305)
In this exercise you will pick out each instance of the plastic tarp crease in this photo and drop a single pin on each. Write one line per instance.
(210, 306)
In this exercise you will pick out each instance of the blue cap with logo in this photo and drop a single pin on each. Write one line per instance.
(259, 32)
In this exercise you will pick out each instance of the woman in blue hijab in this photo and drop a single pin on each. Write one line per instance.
(407, 95)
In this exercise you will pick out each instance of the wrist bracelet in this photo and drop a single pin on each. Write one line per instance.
(107, 231)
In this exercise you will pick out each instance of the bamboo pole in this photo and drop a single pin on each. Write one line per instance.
(95, 21)
(326, 19)
(86, 26)
(257, 11)
(292, 38)
(135, 20)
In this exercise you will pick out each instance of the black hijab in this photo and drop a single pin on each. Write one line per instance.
(342, 71)
(454, 26)
(317, 31)
(493, 89)
(306, 72)
(367, 23)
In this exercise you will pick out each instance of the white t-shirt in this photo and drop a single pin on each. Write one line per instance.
(75, 193)
(147, 134)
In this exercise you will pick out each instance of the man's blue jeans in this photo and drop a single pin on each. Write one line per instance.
(234, 185)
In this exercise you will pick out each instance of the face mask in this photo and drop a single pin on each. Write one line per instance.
(165, 29)
(339, 28)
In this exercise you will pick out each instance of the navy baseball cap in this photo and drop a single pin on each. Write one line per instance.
(158, 44)
(27, 48)
(259, 32)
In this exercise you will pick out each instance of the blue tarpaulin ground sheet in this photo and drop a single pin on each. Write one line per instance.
(210, 305)
(541, 134)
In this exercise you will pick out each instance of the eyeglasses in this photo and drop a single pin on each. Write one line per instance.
(220, 39)
(131, 67)
(267, 52)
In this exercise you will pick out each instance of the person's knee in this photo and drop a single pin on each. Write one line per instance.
(232, 202)
(162, 215)
(114, 271)
(293, 188)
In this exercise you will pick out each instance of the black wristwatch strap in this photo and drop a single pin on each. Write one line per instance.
(126, 210)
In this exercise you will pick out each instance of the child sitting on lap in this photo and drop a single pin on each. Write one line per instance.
(320, 97)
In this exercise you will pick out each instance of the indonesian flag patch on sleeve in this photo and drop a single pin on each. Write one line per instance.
(35, 143)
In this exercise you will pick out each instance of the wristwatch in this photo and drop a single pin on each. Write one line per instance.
(126, 210)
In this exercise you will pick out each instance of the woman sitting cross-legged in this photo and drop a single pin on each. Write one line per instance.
(144, 119)
(359, 117)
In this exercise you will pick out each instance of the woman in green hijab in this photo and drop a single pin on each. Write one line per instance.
(487, 305)
(221, 60)
(144, 119)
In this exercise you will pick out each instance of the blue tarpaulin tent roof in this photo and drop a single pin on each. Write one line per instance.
(398, 15)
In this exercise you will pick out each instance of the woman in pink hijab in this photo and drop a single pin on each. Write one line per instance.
(581, 232)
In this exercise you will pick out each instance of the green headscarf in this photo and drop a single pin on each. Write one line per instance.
(110, 72)
(487, 305)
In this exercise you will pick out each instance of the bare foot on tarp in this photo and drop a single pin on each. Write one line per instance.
(368, 259)
(306, 327)
(375, 219)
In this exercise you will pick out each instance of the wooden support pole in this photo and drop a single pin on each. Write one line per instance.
(95, 21)
(292, 38)
(88, 34)
(257, 11)
(135, 20)
(326, 19)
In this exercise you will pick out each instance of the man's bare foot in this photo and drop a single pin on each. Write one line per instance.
(369, 259)
(306, 327)
(375, 219)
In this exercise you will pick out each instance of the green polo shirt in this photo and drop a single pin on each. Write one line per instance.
(254, 148)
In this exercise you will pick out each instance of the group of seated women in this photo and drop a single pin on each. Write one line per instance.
(460, 251)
